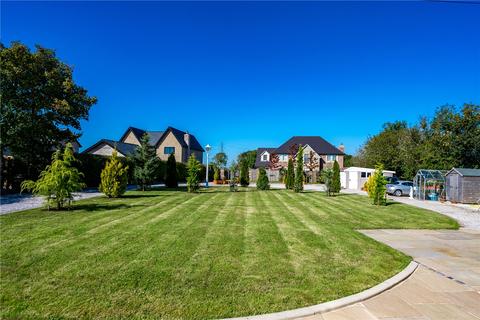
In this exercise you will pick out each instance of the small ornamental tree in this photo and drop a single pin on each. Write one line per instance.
(262, 181)
(336, 178)
(244, 178)
(327, 177)
(377, 186)
(114, 177)
(146, 163)
(216, 173)
(298, 185)
(290, 175)
(59, 179)
(193, 171)
(171, 179)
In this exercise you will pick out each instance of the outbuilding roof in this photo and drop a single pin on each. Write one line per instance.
(122, 147)
(466, 172)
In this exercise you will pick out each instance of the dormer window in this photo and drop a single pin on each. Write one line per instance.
(265, 157)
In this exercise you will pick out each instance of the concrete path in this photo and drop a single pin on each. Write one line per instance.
(467, 217)
(446, 285)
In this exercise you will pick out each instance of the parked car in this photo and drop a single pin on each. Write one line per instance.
(399, 188)
(391, 180)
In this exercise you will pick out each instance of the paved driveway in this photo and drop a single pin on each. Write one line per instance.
(446, 285)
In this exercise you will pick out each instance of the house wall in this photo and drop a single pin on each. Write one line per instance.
(130, 138)
(171, 141)
(470, 189)
(104, 150)
(198, 155)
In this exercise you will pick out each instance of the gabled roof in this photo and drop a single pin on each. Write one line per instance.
(260, 151)
(179, 134)
(122, 147)
(138, 133)
(466, 172)
(320, 145)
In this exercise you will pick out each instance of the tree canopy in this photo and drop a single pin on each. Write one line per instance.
(249, 157)
(41, 105)
(449, 139)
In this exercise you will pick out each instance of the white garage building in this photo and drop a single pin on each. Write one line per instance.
(355, 177)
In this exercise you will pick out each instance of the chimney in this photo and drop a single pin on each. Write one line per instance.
(341, 147)
(186, 138)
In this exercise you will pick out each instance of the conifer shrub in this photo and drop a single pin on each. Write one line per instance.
(171, 179)
(193, 174)
(299, 177)
(114, 177)
(262, 181)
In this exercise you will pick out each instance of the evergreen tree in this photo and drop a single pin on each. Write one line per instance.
(193, 178)
(336, 178)
(244, 178)
(290, 175)
(262, 181)
(298, 185)
(114, 177)
(146, 163)
(377, 186)
(327, 177)
(171, 178)
(59, 179)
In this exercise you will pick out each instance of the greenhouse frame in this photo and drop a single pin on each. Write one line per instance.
(429, 184)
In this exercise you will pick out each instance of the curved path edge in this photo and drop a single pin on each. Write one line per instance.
(339, 303)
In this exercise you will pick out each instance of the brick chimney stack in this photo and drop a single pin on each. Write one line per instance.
(186, 137)
(341, 147)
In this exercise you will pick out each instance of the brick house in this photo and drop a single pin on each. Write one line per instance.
(323, 153)
(181, 143)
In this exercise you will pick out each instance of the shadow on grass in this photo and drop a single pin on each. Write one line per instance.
(90, 207)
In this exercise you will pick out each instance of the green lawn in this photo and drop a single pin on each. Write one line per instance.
(209, 255)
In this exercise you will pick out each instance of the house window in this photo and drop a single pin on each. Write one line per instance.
(331, 157)
(306, 158)
(168, 150)
(363, 174)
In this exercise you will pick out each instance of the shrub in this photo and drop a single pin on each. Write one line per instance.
(216, 173)
(59, 179)
(327, 177)
(262, 181)
(146, 163)
(193, 178)
(171, 180)
(298, 185)
(290, 175)
(114, 177)
(377, 186)
(244, 178)
(336, 178)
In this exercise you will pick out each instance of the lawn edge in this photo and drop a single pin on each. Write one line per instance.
(338, 303)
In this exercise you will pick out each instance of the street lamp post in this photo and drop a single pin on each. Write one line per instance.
(207, 148)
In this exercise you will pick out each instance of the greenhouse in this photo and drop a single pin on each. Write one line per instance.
(429, 184)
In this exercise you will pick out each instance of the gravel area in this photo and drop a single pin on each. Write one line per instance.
(20, 202)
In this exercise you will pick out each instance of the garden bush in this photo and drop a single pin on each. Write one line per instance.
(262, 181)
(114, 177)
(171, 180)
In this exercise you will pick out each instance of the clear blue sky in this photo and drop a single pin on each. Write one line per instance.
(255, 73)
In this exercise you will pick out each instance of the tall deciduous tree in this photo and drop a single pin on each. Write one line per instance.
(193, 171)
(249, 157)
(146, 163)
(59, 179)
(171, 178)
(298, 185)
(114, 177)
(41, 105)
